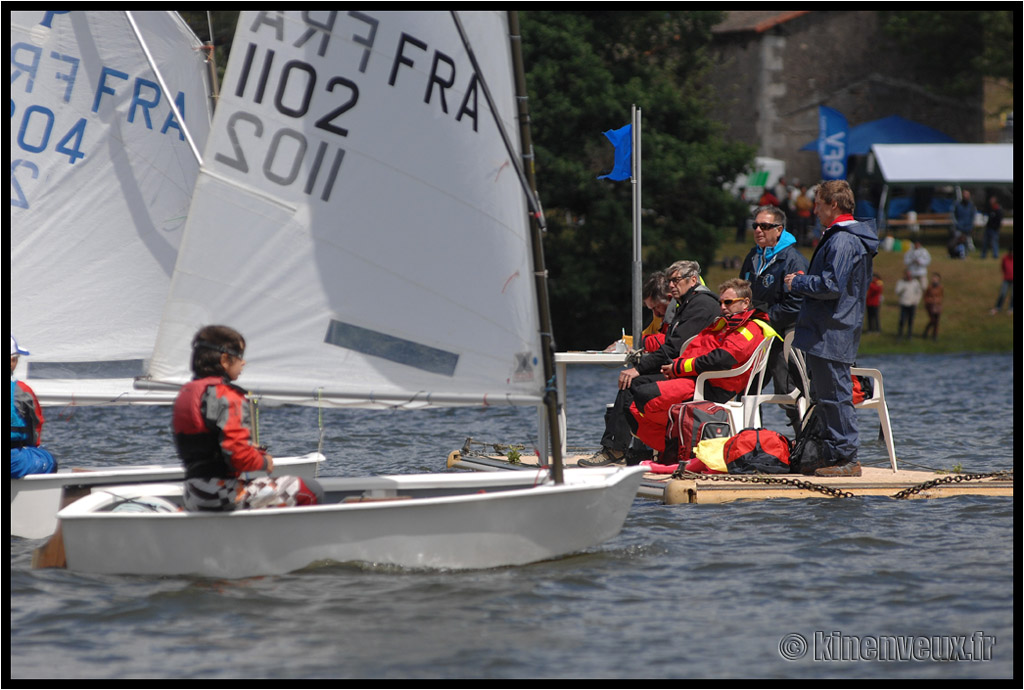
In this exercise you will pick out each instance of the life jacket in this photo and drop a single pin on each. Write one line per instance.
(26, 416)
(211, 430)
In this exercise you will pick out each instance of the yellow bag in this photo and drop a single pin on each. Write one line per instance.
(711, 452)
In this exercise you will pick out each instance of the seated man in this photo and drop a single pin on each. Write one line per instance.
(695, 308)
(726, 344)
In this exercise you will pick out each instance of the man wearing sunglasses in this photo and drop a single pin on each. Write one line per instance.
(726, 344)
(695, 308)
(828, 327)
(774, 256)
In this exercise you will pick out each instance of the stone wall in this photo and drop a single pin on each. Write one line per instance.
(769, 82)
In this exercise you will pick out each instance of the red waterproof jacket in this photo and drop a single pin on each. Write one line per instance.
(725, 344)
(211, 430)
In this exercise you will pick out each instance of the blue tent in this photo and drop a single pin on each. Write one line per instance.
(888, 130)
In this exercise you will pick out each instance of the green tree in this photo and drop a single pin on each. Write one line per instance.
(222, 24)
(584, 70)
(954, 49)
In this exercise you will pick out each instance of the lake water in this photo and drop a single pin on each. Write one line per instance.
(817, 588)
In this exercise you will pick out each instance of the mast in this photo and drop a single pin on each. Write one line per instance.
(536, 232)
(211, 64)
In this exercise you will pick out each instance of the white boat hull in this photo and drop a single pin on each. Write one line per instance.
(36, 498)
(446, 521)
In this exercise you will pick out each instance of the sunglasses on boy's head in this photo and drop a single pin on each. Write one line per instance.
(727, 302)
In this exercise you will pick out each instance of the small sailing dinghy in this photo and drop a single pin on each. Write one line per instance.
(363, 219)
(449, 521)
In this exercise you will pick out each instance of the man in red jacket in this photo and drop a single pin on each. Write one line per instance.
(726, 344)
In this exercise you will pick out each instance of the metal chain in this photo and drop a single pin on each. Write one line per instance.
(832, 491)
(953, 478)
(764, 479)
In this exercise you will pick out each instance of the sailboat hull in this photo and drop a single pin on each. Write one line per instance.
(449, 521)
(36, 498)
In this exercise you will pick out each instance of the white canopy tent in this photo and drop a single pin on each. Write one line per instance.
(956, 164)
(940, 164)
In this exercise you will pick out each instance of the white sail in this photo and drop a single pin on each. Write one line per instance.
(357, 217)
(101, 180)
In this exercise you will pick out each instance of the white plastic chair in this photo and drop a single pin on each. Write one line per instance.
(793, 397)
(741, 415)
(796, 396)
(877, 402)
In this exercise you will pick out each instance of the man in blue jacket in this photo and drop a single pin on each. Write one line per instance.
(963, 215)
(829, 324)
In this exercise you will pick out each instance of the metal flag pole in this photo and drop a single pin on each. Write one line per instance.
(638, 307)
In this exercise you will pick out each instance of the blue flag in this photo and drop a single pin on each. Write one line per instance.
(832, 143)
(622, 140)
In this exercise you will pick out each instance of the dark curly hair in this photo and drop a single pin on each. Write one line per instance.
(209, 343)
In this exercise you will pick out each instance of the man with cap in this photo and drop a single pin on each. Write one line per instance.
(27, 456)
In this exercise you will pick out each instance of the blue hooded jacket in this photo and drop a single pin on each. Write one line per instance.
(766, 270)
(835, 291)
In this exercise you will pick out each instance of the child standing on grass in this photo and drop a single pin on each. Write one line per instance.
(874, 303)
(1006, 289)
(933, 305)
(908, 292)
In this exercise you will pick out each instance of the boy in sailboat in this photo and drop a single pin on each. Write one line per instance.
(27, 455)
(214, 439)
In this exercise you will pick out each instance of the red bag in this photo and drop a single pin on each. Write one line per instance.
(863, 388)
(757, 451)
(689, 424)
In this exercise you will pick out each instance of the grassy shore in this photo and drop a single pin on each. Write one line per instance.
(970, 289)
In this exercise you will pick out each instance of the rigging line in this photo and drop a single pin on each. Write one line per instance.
(163, 88)
(320, 423)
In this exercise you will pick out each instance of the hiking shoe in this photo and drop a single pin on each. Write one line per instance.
(605, 456)
(849, 469)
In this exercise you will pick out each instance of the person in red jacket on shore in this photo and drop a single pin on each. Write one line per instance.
(874, 302)
(214, 439)
(726, 344)
(1006, 288)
